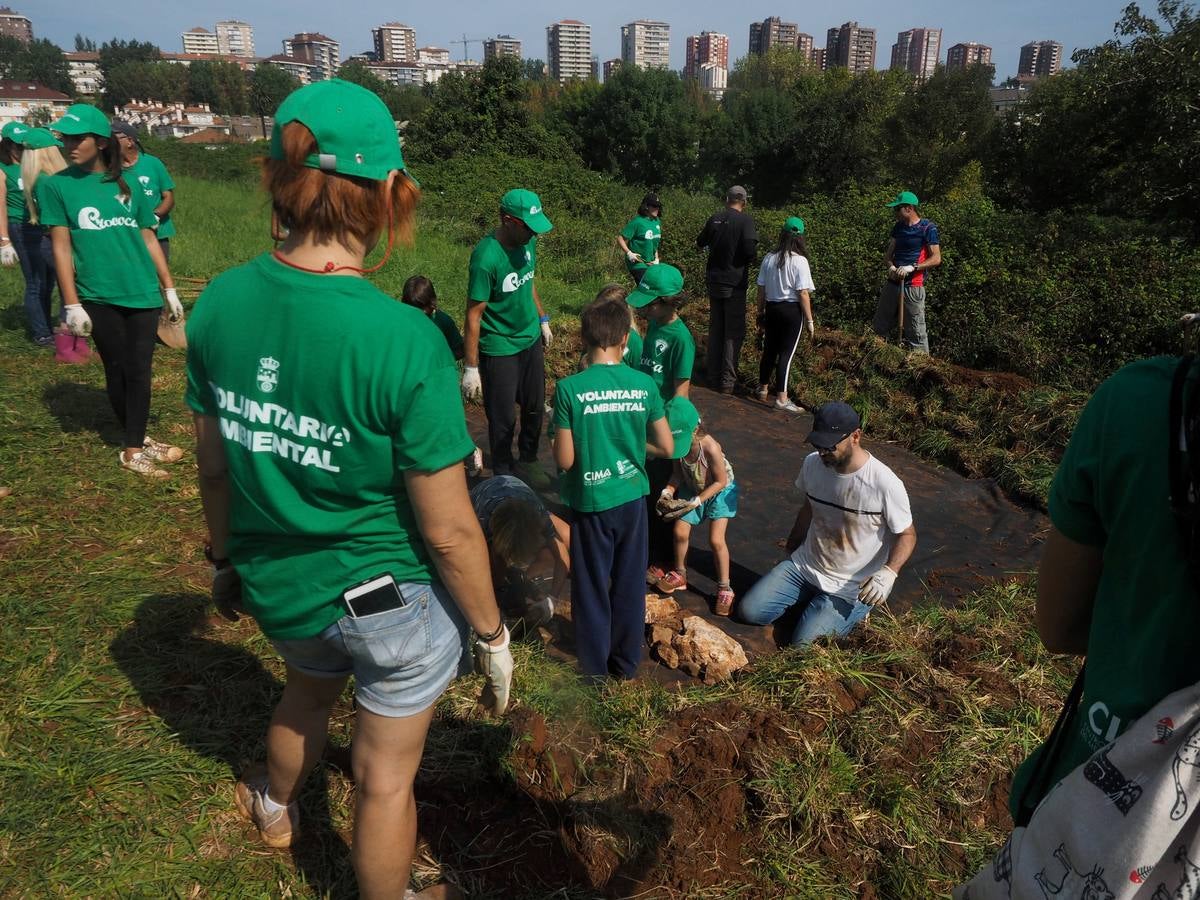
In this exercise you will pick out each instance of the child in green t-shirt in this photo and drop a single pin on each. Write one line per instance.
(607, 419)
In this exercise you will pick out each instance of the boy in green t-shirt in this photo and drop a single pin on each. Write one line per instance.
(608, 418)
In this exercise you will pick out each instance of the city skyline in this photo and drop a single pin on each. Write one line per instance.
(1074, 23)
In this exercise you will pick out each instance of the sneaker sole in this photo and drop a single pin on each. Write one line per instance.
(669, 589)
(277, 843)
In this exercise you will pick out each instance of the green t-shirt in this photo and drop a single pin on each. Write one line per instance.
(112, 264)
(668, 353)
(1112, 491)
(152, 176)
(643, 236)
(503, 279)
(607, 408)
(449, 331)
(633, 349)
(321, 413)
(14, 190)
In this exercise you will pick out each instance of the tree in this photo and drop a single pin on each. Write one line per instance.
(534, 69)
(39, 61)
(84, 45)
(269, 85)
(145, 81)
(220, 84)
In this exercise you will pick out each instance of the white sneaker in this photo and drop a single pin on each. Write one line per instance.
(142, 464)
(788, 406)
(159, 452)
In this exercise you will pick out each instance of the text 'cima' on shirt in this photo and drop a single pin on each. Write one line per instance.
(855, 519)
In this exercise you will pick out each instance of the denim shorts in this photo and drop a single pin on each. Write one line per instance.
(723, 506)
(401, 659)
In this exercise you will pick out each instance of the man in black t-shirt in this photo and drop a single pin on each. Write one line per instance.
(731, 241)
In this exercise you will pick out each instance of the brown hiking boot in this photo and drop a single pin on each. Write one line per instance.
(276, 829)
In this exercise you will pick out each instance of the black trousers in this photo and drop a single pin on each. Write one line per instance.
(785, 324)
(726, 331)
(509, 382)
(608, 589)
(125, 341)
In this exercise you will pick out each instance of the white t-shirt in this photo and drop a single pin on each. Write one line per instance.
(855, 519)
(781, 282)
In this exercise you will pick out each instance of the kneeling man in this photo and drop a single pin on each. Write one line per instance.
(852, 535)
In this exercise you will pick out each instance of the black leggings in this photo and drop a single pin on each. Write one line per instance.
(785, 324)
(125, 341)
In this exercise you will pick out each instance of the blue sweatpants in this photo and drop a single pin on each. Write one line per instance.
(608, 589)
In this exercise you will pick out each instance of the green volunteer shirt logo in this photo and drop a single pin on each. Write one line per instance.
(268, 374)
(90, 219)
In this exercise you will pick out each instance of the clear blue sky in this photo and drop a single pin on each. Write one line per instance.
(1004, 26)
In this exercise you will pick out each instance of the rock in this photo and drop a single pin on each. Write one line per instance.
(662, 611)
(698, 648)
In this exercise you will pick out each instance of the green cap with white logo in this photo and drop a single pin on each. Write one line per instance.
(661, 280)
(14, 131)
(682, 419)
(794, 225)
(38, 139)
(905, 198)
(526, 206)
(82, 118)
(355, 133)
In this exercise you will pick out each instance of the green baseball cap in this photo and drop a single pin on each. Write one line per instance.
(14, 131)
(526, 206)
(905, 198)
(794, 224)
(661, 280)
(682, 419)
(355, 133)
(82, 118)
(38, 139)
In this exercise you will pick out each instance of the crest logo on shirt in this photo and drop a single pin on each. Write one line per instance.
(660, 346)
(528, 258)
(268, 374)
(146, 189)
(625, 469)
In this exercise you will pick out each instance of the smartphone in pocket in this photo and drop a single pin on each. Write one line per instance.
(375, 595)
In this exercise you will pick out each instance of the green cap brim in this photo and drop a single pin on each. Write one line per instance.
(639, 298)
(39, 139)
(538, 223)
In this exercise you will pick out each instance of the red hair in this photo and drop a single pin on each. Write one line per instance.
(332, 206)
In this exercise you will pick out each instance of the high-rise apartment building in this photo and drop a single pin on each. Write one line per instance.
(917, 51)
(960, 56)
(771, 32)
(851, 47)
(13, 24)
(646, 44)
(395, 42)
(713, 79)
(1040, 59)
(804, 43)
(316, 49)
(501, 45)
(201, 41)
(705, 48)
(569, 50)
(817, 57)
(235, 38)
(438, 56)
(610, 67)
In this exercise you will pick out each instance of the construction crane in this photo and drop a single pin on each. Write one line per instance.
(465, 41)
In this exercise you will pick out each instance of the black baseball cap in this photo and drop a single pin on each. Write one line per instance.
(120, 126)
(653, 201)
(832, 423)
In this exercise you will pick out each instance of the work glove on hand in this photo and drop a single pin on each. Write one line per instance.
(227, 591)
(810, 327)
(547, 334)
(893, 274)
(157, 222)
(174, 307)
(906, 271)
(875, 589)
(8, 255)
(671, 508)
(472, 387)
(79, 323)
(634, 257)
(496, 665)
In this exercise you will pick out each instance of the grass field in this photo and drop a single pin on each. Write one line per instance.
(130, 709)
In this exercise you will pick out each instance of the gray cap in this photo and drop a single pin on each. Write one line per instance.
(120, 126)
(737, 192)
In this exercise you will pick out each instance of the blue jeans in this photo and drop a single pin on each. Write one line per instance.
(821, 614)
(39, 278)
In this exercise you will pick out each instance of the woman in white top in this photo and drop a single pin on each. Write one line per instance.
(784, 311)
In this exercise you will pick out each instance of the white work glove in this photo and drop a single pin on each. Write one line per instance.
(875, 589)
(8, 255)
(633, 257)
(157, 222)
(810, 328)
(79, 323)
(496, 665)
(472, 387)
(547, 334)
(174, 307)
(905, 271)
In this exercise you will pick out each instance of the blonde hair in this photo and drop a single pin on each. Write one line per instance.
(517, 532)
(34, 164)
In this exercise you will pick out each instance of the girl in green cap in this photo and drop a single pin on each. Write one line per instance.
(110, 270)
(330, 444)
(784, 311)
(12, 236)
(42, 157)
(640, 237)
